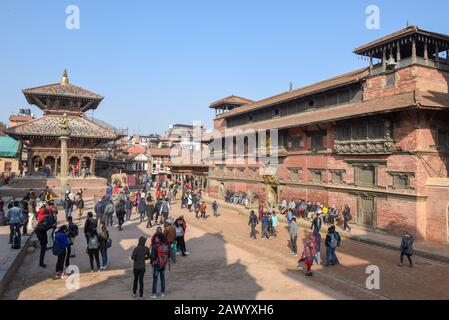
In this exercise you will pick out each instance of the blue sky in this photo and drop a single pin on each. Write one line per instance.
(163, 62)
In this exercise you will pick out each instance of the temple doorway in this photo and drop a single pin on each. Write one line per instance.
(51, 162)
(38, 164)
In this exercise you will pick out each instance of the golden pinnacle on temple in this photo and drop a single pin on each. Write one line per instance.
(65, 78)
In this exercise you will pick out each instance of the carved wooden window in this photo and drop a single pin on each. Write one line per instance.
(376, 131)
(316, 176)
(294, 143)
(294, 174)
(401, 180)
(337, 176)
(344, 133)
(359, 132)
(366, 176)
(317, 140)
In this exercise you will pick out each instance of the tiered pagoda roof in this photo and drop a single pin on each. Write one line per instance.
(59, 99)
(48, 126)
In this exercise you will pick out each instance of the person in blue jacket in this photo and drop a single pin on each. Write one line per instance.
(60, 250)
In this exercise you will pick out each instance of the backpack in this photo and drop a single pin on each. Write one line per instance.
(93, 242)
(57, 248)
(163, 252)
(334, 241)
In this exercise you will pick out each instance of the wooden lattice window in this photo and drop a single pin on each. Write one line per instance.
(316, 176)
(366, 176)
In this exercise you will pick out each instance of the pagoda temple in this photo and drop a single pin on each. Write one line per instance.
(62, 103)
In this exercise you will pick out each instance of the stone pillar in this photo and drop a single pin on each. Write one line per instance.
(64, 156)
(30, 168)
(398, 53)
(92, 167)
(384, 60)
(370, 62)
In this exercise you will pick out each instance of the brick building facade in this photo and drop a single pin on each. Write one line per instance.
(375, 138)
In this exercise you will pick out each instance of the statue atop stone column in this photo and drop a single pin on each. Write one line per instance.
(64, 124)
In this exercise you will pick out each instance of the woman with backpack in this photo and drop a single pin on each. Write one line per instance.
(160, 253)
(60, 250)
(93, 248)
(346, 217)
(140, 254)
(332, 242)
(105, 243)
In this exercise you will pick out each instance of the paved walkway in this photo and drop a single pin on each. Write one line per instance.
(226, 264)
(423, 248)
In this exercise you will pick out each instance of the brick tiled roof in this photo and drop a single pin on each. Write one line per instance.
(164, 152)
(398, 35)
(373, 106)
(64, 90)
(344, 79)
(48, 125)
(233, 100)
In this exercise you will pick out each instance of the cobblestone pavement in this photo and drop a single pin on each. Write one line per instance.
(226, 264)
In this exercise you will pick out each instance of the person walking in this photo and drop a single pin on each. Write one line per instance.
(15, 217)
(41, 232)
(160, 253)
(121, 212)
(60, 250)
(346, 218)
(72, 233)
(316, 223)
(93, 248)
(150, 207)
(68, 205)
(90, 225)
(180, 228)
(99, 210)
(333, 240)
(407, 249)
(157, 209)
(105, 243)
(265, 226)
(165, 210)
(308, 255)
(170, 235)
(128, 208)
(293, 233)
(203, 209)
(215, 208)
(140, 254)
(253, 221)
(79, 202)
(109, 212)
(141, 208)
